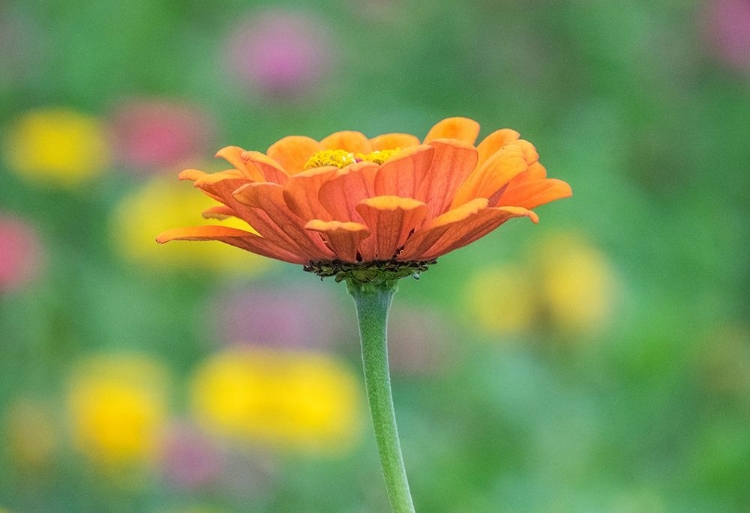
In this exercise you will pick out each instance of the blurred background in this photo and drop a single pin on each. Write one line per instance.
(597, 362)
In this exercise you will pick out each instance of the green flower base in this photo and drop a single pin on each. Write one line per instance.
(377, 272)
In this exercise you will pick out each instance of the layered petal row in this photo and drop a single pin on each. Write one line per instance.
(388, 198)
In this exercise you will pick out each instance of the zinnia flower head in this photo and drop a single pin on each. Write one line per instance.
(373, 209)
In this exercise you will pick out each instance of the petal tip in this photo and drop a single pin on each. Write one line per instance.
(163, 237)
(190, 174)
(227, 150)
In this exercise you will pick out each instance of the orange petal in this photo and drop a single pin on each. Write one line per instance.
(212, 185)
(498, 171)
(270, 216)
(529, 151)
(458, 227)
(494, 174)
(223, 191)
(268, 168)
(191, 174)
(495, 141)
(532, 194)
(430, 233)
(229, 174)
(402, 174)
(390, 219)
(354, 142)
(452, 163)
(234, 237)
(218, 212)
(342, 238)
(233, 155)
(463, 129)
(351, 185)
(393, 141)
(293, 152)
(536, 171)
(301, 193)
(477, 227)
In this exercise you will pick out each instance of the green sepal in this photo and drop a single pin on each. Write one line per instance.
(379, 271)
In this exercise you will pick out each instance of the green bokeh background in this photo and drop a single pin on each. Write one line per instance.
(624, 100)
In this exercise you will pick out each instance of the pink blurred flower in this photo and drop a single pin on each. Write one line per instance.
(20, 253)
(151, 134)
(280, 53)
(727, 29)
(418, 340)
(189, 458)
(279, 317)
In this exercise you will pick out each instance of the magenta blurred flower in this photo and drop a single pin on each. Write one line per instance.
(189, 458)
(418, 342)
(727, 28)
(20, 253)
(279, 318)
(280, 53)
(153, 134)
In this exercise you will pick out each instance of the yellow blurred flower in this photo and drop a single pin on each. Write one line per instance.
(299, 400)
(577, 284)
(30, 433)
(117, 406)
(58, 146)
(501, 300)
(568, 287)
(160, 204)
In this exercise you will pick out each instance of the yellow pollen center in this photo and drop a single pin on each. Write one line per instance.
(343, 158)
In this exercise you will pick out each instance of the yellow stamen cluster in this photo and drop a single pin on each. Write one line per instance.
(338, 158)
(343, 158)
(379, 157)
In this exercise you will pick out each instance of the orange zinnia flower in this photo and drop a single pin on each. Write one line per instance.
(352, 201)
(371, 211)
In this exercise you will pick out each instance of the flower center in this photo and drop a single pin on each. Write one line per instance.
(343, 158)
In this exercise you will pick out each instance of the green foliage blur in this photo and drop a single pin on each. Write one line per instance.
(598, 361)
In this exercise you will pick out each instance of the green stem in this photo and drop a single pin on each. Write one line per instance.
(373, 302)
